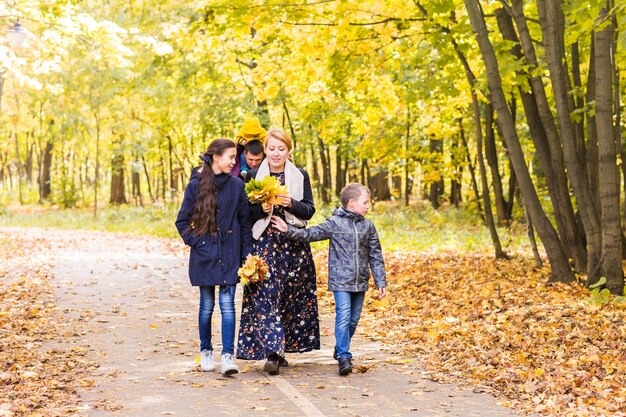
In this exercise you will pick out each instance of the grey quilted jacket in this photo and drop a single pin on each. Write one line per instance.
(354, 249)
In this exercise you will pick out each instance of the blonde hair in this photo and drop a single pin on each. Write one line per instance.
(280, 135)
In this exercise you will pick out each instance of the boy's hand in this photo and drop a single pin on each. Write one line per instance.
(279, 224)
(381, 293)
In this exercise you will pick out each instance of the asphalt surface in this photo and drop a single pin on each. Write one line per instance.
(130, 302)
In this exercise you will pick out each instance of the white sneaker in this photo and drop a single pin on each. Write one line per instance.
(206, 360)
(228, 365)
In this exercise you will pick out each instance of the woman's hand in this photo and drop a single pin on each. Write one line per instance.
(279, 224)
(285, 200)
(267, 207)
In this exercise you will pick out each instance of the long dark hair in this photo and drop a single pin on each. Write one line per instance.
(203, 218)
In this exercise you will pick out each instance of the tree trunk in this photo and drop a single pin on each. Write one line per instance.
(366, 178)
(531, 238)
(145, 170)
(557, 256)
(488, 217)
(315, 174)
(457, 164)
(44, 179)
(96, 182)
(433, 195)
(18, 166)
(611, 260)
(118, 192)
(470, 166)
(579, 125)
(435, 147)
(170, 162)
(618, 114)
(379, 185)
(408, 160)
(3, 162)
(162, 181)
(592, 137)
(408, 182)
(513, 191)
(28, 166)
(136, 188)
(263, 113)
(551, 22)
(491, 224)
(326, 180)
(492, 159)
(571, 230)
(340, 174)
(396, 185)
(291, 129)
(550, 156)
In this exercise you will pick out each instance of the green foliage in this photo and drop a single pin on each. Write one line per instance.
(599, 296)
(160, 79)
(156, 221)
(65, 192)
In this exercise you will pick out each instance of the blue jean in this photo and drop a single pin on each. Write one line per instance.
(348, 306)
(205, 313)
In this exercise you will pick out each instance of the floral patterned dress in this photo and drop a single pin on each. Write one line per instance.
(280, 315)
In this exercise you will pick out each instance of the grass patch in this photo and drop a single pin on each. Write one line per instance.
(154, 220)
(417, 227)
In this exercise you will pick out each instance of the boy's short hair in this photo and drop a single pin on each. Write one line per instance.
(352, 191)
(255, 147)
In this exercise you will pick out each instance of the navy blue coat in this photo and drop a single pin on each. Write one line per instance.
(215, 259)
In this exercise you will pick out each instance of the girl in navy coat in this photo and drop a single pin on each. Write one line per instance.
(214, 220)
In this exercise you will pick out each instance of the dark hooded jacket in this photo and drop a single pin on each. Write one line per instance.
(354, 250)
(215, 259)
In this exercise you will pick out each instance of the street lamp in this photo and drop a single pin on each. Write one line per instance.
(16, 35)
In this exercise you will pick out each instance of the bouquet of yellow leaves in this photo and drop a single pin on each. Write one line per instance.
(254, 270)
(265, 190)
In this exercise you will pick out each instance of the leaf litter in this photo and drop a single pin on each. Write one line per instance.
(35, 379)
(501, 327)
(495, 325)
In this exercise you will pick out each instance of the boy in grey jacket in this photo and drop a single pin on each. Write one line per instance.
(354, 250)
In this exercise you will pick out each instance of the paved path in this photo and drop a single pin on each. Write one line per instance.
(131, 305)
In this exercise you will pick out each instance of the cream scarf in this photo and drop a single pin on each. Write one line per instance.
(294, 180)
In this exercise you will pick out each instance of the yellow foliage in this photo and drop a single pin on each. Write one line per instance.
(254, 270)
(265, 190)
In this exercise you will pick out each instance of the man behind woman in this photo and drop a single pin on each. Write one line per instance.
(280, 315)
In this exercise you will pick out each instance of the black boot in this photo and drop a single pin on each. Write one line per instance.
(282, 361)
(271, 366)
(345, 366)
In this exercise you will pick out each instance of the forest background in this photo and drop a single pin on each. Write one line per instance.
(509, 109)
(476, 124)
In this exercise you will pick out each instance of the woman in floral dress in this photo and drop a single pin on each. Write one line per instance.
(280, 315)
